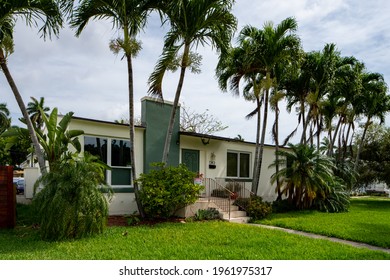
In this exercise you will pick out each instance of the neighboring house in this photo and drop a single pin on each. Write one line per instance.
(214, 157)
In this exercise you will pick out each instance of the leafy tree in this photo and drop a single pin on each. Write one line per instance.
(72, 203)
(55, 140)
(203, 123)
(128, 17)
(32, 11)
(374, 164)
(17, 144)
(192, 23)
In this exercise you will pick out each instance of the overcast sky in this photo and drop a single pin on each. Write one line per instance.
(82, 75)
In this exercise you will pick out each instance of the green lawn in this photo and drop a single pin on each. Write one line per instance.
(368, 221)
(176, 241)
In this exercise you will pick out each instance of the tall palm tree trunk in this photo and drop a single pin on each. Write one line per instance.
(168, 137)
(276, 139)
(255, 186)
(132, 135)
(255, 178)
(19, 100)
(361, 144)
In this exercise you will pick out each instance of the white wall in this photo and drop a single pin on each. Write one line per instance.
(220, 147)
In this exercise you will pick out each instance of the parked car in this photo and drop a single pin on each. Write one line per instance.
(19, 185)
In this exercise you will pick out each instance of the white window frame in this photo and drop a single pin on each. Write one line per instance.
(238, 164)
(109, 156)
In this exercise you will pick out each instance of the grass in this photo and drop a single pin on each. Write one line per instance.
(367, 221)
(177, 241)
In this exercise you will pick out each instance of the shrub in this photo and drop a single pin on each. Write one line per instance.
(258, 209)
(283, 206)
(242, 203)
(166, 189)
(72, 203)
(337, 200)
(207, 214)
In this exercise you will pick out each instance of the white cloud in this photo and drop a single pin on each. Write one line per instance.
(82, 75)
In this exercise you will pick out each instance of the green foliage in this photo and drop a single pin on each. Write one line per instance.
(337, 200)
(167, 189)
(72, 203)
(308, 180)
(258, 209)
(207, 214)
(282, 206)
(57, 137)
(133, 219)
(374, 163)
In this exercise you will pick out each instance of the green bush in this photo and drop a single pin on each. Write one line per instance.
(337, 200)
(242, 203)
(258, 209)
(166, 189)
(283, 206)
(72, 203)
(207, 214)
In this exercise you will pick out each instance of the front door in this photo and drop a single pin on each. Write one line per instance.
(191, 159)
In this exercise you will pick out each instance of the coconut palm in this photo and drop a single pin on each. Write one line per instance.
(192, 22)
(33, 12)
(270, 47)
(129, 18)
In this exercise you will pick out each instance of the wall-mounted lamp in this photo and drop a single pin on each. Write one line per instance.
(205, 141)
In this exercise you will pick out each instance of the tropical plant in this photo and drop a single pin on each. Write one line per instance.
(32, 11)
(35, 110)
(192, 23)
(17, 142)
(128, 17)
(167, 189)
(260, 53)
(307, 177)
(373, 102)
(5, 120)
(56, 138)
(73, 202)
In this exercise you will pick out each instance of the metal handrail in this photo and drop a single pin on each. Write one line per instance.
(218, 194)
(240, 193)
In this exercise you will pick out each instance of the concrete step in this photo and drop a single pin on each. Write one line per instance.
(239, 220)
(233, 214)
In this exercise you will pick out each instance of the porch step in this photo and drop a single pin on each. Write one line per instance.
(239, 220)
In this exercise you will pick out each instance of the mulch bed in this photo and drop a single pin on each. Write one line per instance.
(121, 221)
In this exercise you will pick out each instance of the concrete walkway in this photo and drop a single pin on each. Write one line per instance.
(333, 239)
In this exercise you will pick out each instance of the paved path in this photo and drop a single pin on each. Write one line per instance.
(333, 239)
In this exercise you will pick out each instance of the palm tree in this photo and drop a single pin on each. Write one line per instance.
(232, 68)
(193, 22)
(373, 102)
(32, 11)
(5, 121)
(271, 47)
(306, 175)
(35, 109)
(129, 17)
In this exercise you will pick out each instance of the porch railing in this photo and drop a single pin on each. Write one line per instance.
(240, 193)
(217, 194)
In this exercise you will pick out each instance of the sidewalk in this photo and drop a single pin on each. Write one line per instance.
(333, 239)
